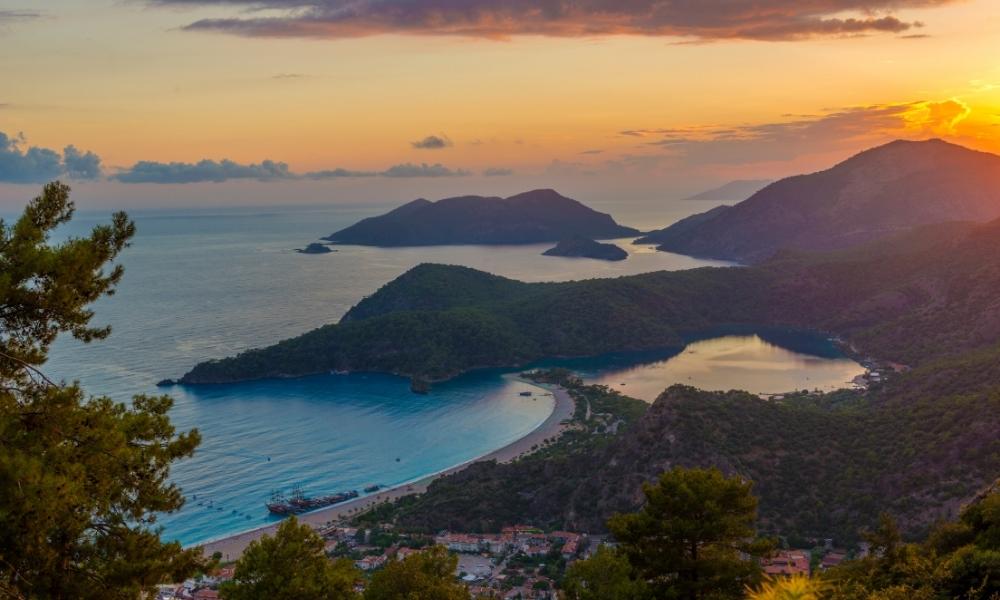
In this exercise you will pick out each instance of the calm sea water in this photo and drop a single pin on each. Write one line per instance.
(766, 362)
(205, 284)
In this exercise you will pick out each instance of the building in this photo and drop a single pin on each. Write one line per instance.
(370, 563)
(460, 542)
(570, 549)
(787, 562)
(832, 559)
(497, 544)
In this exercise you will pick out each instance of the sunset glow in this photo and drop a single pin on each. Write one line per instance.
(667, 100)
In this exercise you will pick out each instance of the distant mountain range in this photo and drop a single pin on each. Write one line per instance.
(734, 191)
(879, 192)
(530, 217)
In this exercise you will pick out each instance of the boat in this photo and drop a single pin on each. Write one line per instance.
(526, 393)
(279, 504)
(372, 488)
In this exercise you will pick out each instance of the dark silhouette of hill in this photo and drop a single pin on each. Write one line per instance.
(879, 192)
(530, 217)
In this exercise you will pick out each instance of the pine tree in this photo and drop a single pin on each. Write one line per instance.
(81, 478)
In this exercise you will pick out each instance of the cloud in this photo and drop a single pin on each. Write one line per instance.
(287, 76)
(38, 165)
(422, 170)
(802, 135)
(497, 172)
(268, 170)
(692, 19)
(432, 142)
(11, 16)
(81, 165)
(338, 173)
(202, 171)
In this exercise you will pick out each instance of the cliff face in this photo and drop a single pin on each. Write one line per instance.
(877, 193)
(531, 217)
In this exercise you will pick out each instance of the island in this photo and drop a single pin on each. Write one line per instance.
(583, 247)
(315, 248)
(528, 218)
(877, 193)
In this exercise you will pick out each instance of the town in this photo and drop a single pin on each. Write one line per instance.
(521, 562)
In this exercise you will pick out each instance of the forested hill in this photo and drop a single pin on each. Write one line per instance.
(823, 466)
(530, 217)
(879, 192)
(921, 295)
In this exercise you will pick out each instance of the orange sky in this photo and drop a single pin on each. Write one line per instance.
(126, 81)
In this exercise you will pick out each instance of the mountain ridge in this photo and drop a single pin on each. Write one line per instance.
(875, 193)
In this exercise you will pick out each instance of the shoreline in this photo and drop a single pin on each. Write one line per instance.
(232, 547)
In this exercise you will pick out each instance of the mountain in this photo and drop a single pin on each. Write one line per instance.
(734, 191)
(584, 247)
(531, 217)
(879, 192)
(912, 298)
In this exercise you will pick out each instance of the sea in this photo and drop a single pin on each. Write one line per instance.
(203, 283)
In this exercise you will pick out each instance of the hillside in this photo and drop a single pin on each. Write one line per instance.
(913, 298)
(530, 217)
(823, 465)
(879, 192)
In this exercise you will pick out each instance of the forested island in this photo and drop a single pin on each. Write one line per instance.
(526, 218)
(584, 247)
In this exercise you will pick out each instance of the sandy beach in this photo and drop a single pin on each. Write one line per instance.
(232, 547)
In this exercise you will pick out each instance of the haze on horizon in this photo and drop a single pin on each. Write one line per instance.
(191, 102)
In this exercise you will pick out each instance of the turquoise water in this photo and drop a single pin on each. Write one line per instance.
(332, 433)
(204, 284)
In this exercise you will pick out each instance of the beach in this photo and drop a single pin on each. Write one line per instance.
(232, 547)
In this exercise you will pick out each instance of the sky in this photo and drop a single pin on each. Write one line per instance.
(201, 102)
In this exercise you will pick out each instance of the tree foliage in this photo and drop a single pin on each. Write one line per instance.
(426, 575)
(959, 559)
(607, 575)
(80, 478)
(291, 565)
(690, 540)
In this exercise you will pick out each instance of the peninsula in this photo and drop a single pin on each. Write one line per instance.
(527, 218)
